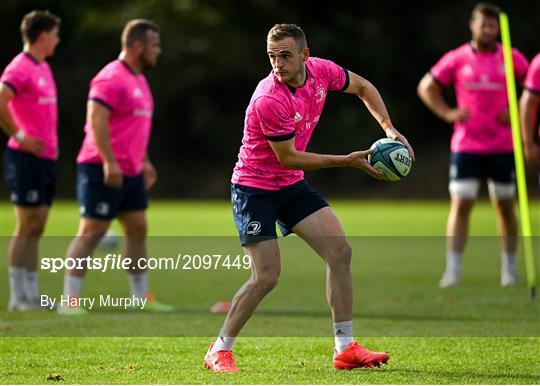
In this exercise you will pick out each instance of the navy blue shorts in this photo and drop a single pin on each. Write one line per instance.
(256, 211)
(496, 167)
(30, 179)
(102, 202)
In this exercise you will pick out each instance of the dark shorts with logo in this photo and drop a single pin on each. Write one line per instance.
(256, 211)
(102, 202)
(30, 179)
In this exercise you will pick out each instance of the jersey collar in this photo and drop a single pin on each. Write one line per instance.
(31, 57)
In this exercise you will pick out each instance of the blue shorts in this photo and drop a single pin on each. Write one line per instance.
(496, 167)
(256, 211)
(30, 179)
(102, 202)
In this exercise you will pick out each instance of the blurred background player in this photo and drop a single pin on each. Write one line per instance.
(29, 117)
(481, 145)
(268, 186)
(529, 106)
(113, 168)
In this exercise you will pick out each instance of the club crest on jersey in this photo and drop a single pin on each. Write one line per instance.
(137, 93)
(41, 82)
(254, 228)
(320, 94)
(466, 70)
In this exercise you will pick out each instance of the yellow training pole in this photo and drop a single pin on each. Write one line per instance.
(518, 155)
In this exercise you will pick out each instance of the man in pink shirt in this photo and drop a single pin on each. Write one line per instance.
(113, 168)
(481, 143)
(268, 186)
(529, 106)
(29, 115)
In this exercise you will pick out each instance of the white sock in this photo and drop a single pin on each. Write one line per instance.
(17, 276)
(138, 283)
(453, 261)
(508, 260)
(223, 342)
(343, 335)
(31, 287)
(72, 286)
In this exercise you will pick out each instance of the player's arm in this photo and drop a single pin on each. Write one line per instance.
(529, 104)
(372, 99)
(28, 143)
(98, 118)
(430, 92)
(291, 158)
(149, 172)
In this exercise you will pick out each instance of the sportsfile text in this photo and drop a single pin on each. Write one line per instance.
(113, 261)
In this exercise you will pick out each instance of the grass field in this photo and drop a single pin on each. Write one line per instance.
(475, 333)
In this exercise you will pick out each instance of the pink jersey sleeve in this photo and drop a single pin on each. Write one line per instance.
(521, 64)
(444, 70)
(104, 91)
(532, 81)
(15, 77)
(337, 76)
(275, 122)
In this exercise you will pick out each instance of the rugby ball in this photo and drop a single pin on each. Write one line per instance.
(390, 157)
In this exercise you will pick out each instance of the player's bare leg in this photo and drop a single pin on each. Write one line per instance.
(135, 228)
(457, 230)
(324, 233)
(507, 225)
(88, 236)
(23, 256)
(265, 271)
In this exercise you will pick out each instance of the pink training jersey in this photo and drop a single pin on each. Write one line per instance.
(480, 85)
(532, 81)
(128, 97)
(278, 112)
(34, 107)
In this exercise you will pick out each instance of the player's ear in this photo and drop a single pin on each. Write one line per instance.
(471, 23)
(305, 54)
(138, 46)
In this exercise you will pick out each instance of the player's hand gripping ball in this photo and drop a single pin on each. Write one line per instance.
(390, 157)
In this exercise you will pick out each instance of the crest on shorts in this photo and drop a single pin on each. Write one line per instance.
(32, 196)
(102, 208)
(254, 228)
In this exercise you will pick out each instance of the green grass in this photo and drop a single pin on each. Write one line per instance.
(475, 333)
(269, 361)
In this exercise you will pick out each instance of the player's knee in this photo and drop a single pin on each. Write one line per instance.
(32, 226)
(90, 236)
(505, 209)
(462, 208)
(137, 227)
(266, 281)
(340, 256)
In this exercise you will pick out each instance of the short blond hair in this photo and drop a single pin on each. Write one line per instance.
(282, 31)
